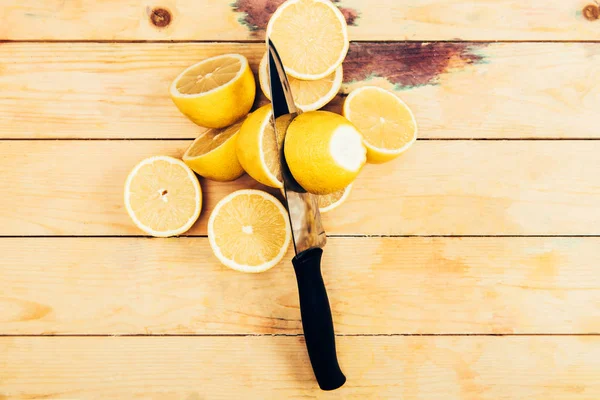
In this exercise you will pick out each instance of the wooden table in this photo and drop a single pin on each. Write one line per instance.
(467, 269)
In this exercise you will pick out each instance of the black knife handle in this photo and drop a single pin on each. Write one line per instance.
(316, 319)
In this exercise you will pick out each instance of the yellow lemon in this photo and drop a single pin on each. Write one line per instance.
(324, 151)
(213, 154)
(328, 202)
(163, 196)
(311, 37)
(215, 92)
(249, 231)
(257, 149)
(388, 126)
(308, 95)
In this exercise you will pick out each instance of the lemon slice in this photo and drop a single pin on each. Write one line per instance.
(324, 151)
(212, 155)
(311, 37)
(162, 196)
(308, 95)
(215, 92)
(257, 149)
(387, 124)
(249, 231)
(328, 202)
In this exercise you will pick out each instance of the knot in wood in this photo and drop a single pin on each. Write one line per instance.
(160, 17)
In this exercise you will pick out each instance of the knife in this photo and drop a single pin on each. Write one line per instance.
(308, 237)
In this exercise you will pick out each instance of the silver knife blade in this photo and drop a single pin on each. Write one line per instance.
(303, 208)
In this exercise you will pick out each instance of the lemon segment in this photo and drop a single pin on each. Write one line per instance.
(163, 196)
(311, 37)
(308, 95)
(324, 151)
(215, 92)
(249, 231)
(388, 125)
(213, 154)
(257, 149)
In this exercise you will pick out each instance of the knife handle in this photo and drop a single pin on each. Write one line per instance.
(316, 319)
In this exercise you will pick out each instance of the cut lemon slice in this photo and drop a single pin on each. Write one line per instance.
(388, 126)
(215, 92)
(162, 196)
(212, 155)
(257, 149)
(308, 95)
(328, 202)
(249, 231)
(311, 37)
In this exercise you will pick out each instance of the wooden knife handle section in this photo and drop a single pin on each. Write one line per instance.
(317, 322)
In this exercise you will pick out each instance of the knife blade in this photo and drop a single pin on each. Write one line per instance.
(309, 238)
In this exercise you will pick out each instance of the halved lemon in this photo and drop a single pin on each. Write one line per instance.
(388, 125)
(213, 154)
(163, 196)
(308, 95)
(249, 231)
(328, 202)
(257, 149)
(311, 37)
(324, 151)
(215, 92)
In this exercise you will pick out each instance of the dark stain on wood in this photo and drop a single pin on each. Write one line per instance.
(591, 12)
(256, 13)
(407, 65)
(160, 17)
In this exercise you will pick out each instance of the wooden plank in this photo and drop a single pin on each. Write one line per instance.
(457, 90)
(247, 20)
(388, 286)
(483, 368)
(436, 188)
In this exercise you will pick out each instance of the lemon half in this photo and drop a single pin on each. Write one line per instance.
(215, 92)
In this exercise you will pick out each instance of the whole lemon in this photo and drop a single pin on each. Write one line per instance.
(324, 151)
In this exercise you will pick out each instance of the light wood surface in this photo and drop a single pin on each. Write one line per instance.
(466, 269)
(246, 19)
(390, 286)
(192, 368)
(457, 90)
(436, 188)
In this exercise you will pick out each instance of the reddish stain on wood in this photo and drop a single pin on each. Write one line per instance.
(256, 13)
(408, 64)
(160, 17)
(591, 12)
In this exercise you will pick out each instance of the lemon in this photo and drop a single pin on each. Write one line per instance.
(257, 149)
(328, 202)
(163, 196)
(215, 92)
(388, 126)
(308, 95)
(324, 151)
(213, 154)
(249, 231)
(311, 37)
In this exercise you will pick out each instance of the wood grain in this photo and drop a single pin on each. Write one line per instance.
(246, 19)
(191, 368)
(375, 285)
(436, 188)
(457, 90)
